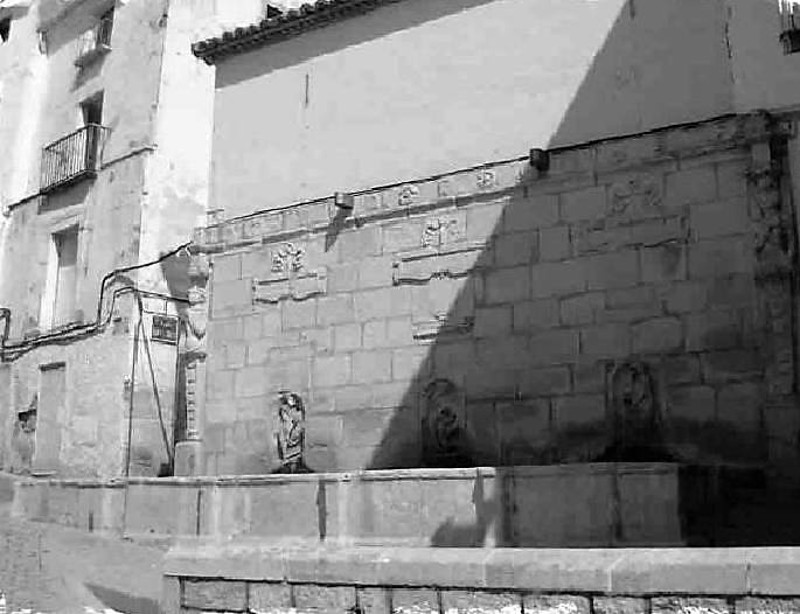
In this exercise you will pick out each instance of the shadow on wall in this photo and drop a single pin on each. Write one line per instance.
(506, 381)
(492, 379)
(662, 63)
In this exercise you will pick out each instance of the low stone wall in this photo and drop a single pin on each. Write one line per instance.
(602, 504)
(254, 577)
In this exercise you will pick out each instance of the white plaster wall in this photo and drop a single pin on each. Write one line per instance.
(425, 86)
(177, 173)
(765, 78)
(22, 86)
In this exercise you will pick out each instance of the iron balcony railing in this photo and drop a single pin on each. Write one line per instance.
(72, 157)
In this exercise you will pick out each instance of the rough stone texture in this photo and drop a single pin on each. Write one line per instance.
(755, 605)
(415, 601)
(374, 600)
(215, 595)
(264, 597)
(556, 604)
(620, 605)
(525, 288)
(464, 602)
(324, 598)
(689, 605)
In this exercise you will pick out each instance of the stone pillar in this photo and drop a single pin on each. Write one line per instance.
(775, 252)
(188, 453)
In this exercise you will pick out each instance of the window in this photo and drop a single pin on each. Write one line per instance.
(96, 41)
(104, 28)
(92, 115)
(790, 26)
(64, 276)
(5, 29)
(92, 110)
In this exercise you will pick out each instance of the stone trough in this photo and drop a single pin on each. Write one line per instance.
(580, 505)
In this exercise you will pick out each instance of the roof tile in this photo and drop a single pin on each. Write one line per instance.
(280, 26)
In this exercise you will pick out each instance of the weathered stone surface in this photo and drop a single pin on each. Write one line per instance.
(557, 278)
(538, 211)
(265, 597)
(588, 204)
(609, 340)
(374, 600)
(620, 605)
(554, 243)
(556, 604)
(324, 598)
(755, 605)
(582, 309)
(691, 186)
(415, 601)
(658, 335)
(229, 596)
(689, 605)
(473, 602)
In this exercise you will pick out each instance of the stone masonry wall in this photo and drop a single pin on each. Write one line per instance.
(665, 257)
(252, 577)
(284, 598)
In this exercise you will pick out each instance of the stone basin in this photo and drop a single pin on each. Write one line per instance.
(579, 505)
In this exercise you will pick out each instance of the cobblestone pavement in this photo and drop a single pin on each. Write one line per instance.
(53, 570)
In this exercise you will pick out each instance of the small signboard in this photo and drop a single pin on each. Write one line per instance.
(165, 329)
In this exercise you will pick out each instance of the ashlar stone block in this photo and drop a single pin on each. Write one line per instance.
(473, 602)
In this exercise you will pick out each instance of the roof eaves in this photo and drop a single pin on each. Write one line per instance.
(281, 27)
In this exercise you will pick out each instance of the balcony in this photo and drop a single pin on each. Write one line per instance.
(72, 158)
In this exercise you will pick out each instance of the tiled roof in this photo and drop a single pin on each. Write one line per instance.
(279, 26)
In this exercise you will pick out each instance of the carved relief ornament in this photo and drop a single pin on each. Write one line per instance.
(289, 277)
(290, 436)
(486, 179)
(444, 424)
(638, 193)
(408, 194)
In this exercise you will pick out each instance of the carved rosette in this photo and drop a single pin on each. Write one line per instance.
(288, 259)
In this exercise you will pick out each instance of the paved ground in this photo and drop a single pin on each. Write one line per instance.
(54, 570)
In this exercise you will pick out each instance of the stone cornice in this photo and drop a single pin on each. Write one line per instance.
(282, 26)
(633, 571)
(578, 165)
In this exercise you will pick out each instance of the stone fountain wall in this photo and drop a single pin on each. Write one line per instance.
(635, 298)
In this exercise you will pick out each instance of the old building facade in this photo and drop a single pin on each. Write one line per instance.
(581, 246)
(105, 132)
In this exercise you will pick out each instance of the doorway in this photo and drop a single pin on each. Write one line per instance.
(50, 418)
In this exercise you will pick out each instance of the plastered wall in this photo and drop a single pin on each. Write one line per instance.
(419, 87)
